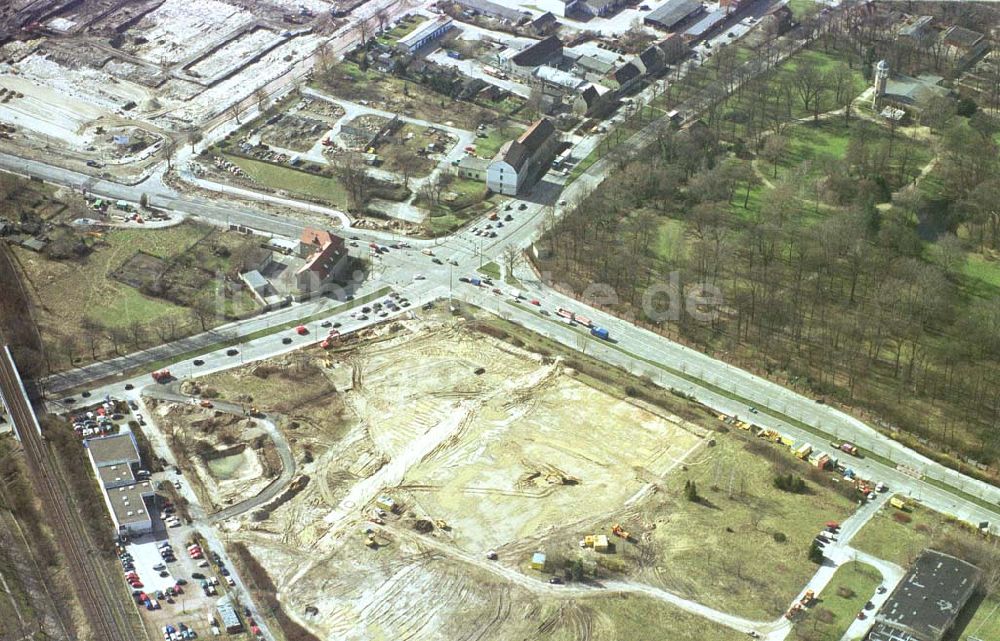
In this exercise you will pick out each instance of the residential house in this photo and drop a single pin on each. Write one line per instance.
(326, 263)
(517, 160)
(473, 168)
(674, 48)
(592, 100)
(555, 86)
(653, 59)
(545, 24)
(964, 46)
(548, 51)
(629, 74)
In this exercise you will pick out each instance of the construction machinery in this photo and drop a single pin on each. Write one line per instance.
(620, 532)
(807, 598)
(161, 376)
(793, 611)
(899, 504)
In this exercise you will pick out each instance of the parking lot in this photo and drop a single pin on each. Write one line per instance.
(178, 598)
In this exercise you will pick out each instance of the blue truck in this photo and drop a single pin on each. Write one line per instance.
(454, 54)
(475, 281)
(599, 332)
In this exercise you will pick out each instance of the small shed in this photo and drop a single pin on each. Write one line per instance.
(601, 543)
(386, 503)
(538, 561)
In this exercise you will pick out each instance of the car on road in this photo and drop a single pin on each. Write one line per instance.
(325, 323)
(207, 404)
(198, 362)
(437, 261)
(301, 330)
(536, 302)
(129, 386)
(133, 405)
(287, 340)
(94, 163)
(232, 352)
(491, 555)
(508, 218)
(453, 262)
(197, 575)
(555, 581)
(419, 277)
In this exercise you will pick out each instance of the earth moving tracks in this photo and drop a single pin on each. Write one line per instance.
(106, 614)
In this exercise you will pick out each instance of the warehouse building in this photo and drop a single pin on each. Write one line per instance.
(426, 33)
(925, 604)
(672, 13)
(115, 461)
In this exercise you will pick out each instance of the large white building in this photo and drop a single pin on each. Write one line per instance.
(519, 159)
(115, 461)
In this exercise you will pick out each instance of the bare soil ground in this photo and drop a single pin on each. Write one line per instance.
(229, 454)
(519, 457)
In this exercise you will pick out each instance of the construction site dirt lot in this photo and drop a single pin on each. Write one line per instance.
(232, 457)
(483, 446)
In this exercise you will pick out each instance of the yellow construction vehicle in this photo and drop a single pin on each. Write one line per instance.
(619, 531)
(807, 598)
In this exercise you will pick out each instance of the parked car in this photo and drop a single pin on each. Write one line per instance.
(232, 352)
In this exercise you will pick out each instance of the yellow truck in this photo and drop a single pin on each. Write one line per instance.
(899, 504)
(803, 451)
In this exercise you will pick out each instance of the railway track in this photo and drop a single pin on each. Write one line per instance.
(105, 613)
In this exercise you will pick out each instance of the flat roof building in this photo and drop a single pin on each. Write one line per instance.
(112, 450)
(227, 614)
(925, 604)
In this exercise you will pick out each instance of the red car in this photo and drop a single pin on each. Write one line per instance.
(535, 301)
(301, 330)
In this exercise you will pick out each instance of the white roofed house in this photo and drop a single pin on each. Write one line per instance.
(519, 160)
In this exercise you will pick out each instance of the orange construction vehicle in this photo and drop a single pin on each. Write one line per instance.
(619, 531)
(807, 598)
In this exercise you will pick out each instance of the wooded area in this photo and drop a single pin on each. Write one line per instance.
(839, 240)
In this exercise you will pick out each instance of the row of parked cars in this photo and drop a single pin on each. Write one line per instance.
(178, 632)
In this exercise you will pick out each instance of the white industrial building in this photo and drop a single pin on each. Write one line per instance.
(115, 461)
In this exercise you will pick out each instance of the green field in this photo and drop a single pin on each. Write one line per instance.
(888, 538)
(839, 603)
(66, 291)
(985, 621)
(985, 270)
(293, 181)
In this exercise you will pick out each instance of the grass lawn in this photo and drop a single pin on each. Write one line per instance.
(988, 271)
(293, 181)
(488, 147)
(984, 623)
(462, 200)
(838, 605)
(799, 7)
(64, 292)
(492, 270)
(889, 539)
(723, 551)
(631, 617)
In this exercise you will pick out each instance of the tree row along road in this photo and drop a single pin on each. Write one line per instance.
(107, 616)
